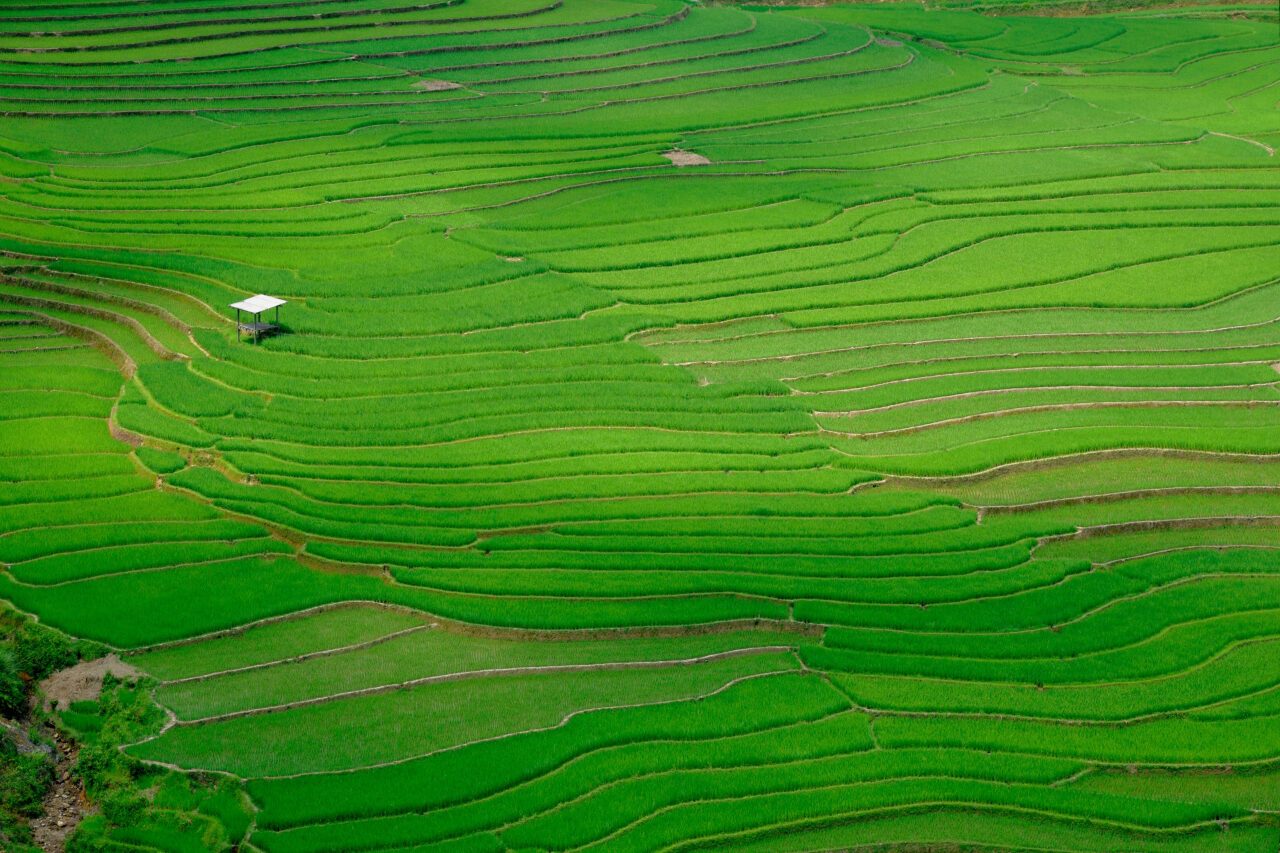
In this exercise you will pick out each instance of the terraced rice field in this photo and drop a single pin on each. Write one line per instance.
(901, 471)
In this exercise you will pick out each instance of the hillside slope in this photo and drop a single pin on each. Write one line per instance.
(694, 426)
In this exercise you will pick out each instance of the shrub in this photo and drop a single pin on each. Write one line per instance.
(39, 651)
(24, 780)
(13, 689)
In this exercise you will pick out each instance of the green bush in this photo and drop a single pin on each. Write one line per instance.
(24, 779)
(39, 651)
(13, 689)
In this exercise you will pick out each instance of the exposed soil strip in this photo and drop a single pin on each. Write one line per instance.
(1106, 497)
(249, 22)
(99, 313)
(496, 632)
(337, 650)
(113, 351)
(621, 707)
(255, 32)
(552, 669)
(1057, 407)
(1065, 459)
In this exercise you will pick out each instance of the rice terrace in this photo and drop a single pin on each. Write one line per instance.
(639, 425)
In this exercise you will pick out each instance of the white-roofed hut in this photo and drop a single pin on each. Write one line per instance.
(256, 306)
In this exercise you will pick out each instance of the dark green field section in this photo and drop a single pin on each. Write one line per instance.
(693, 426)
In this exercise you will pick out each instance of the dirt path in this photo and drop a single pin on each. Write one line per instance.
(64, 805)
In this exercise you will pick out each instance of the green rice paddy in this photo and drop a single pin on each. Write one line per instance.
(694, 426)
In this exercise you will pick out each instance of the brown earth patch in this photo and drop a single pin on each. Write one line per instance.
(436, 85)
(679, 157)
(83, 681)
(121, 434)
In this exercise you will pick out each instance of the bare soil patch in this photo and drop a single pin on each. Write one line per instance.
(680, 157)
(119, 433)
(436, 85)
(82, 681)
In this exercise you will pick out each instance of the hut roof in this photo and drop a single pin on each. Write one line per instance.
(258, 304)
